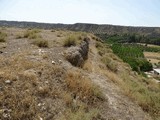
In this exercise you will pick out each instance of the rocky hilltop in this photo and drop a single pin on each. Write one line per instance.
(93, 28)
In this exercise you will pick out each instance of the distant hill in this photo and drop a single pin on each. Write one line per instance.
(94, 28)
(100, 30)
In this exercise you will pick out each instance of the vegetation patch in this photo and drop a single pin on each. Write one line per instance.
(133, 56)
(32, 34)
(81, 114)
(70, 41)
(74, 39)
(83, 88)
(111, 65)
(3, 36)
(129, 38)
(40, 43)
(143, 90)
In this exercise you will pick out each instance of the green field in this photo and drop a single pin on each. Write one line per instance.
(133, 55)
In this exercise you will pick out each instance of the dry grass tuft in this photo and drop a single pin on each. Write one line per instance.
(3, 36)
(110, 64)
(82, 114)
(88, 65)
(17, 105)
(82, 87)
(70, 41)
(40, 43)
(32, 34)
(19, 36)
(67, 99)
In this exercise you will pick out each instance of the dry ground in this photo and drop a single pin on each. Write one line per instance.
(153, 57)
(39, 84)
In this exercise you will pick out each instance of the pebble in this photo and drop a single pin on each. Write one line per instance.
(40, 118)
(39, 104)
(60, 61)
(53, 62)
(8, 82)
(46, 82)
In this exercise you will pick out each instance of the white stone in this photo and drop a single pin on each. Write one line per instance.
(8, 82)
(53, 62)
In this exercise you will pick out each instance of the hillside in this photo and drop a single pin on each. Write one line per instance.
(92, 28)
(67, 75)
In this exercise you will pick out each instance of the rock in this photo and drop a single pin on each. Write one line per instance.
(53, 62)
(46, 82)
(39, 104)
(77, 55)
(1, 52)
(8, 82)
(74, 56)
(40, 118)
(60, 61)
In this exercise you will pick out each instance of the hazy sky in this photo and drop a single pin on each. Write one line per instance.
(118, 12)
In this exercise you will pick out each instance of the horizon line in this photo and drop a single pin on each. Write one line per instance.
(81, 23)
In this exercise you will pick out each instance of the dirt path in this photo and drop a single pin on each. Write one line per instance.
(119, 106)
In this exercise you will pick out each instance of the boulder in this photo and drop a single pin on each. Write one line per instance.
(78, 54)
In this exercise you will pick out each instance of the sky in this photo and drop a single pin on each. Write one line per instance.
(116, 12)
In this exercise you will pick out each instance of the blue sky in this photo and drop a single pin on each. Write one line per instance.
(117, 12)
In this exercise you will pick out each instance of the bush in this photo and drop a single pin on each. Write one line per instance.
(99, 45)
(40, 43)
(83, 87)
(3, 36)
(69, 41)
(31, 34)
(110, 64)
(18, 36)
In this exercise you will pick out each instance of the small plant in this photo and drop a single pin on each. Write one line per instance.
(110, 64)
(40, 43)
(3, 36)
(32, 34)
(99, 45)
(43, 91)
(53, 30)
(83, 87)
(58, 35)
(82, 114)
(18, 36)
(69, 41)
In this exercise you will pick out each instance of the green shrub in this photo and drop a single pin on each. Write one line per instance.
(70, 41)
(132, 55)
(3, 36)
(40, 43)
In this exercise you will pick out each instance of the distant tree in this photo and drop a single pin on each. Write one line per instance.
(132, 38)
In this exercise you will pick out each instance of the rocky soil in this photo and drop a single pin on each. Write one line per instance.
(32, 80)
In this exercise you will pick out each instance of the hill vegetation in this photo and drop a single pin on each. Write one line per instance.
(37, 81)
(132, 55)
(116, 33)
(130, 38)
